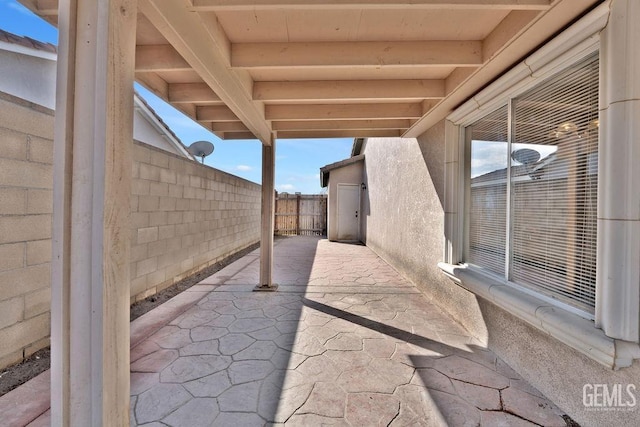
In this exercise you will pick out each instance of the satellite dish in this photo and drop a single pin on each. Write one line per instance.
(526, 156)
(201, 149)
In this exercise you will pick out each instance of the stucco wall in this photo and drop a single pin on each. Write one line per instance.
(144, 132)
(404, 224)
(27, 76)
(185, 216)
(349, 174)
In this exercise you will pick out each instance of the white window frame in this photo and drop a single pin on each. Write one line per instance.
(613, 338)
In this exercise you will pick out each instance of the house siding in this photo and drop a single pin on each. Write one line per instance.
(184, 217)
(404, 224)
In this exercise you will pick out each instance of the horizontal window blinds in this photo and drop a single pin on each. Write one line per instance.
(554, 180)
(487, 197)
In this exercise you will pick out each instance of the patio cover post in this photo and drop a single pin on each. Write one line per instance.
(92, 185)
(268, 216)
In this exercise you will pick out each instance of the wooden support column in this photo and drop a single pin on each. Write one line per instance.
(268, 216)
(92, 187)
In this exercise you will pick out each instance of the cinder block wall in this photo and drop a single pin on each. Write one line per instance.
(185, 217)
(26, 139)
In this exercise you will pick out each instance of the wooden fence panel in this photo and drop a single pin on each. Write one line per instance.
(301, 214)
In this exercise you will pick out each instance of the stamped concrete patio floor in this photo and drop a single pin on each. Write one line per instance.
(346, 340)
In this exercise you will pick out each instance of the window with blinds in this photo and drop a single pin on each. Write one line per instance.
(487, 196)
(538, 202)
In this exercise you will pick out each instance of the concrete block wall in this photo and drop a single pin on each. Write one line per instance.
(26, 147)
(184, 218)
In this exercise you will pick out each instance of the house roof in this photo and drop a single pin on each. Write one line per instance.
(324, 171)
(356, 148)
(163, 127)
(29, 46)
(337, 68)
(27, 42)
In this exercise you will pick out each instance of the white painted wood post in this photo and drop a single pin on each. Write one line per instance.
(268, 215)
(618, 270)
(92, 187)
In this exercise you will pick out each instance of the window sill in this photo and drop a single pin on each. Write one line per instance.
(571, 329)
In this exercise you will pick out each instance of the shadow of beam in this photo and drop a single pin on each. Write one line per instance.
(388, 330)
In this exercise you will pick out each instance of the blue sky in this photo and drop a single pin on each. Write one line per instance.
(297, 160)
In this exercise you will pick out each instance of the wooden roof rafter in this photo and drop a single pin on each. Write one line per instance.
(295, 68)
(217, 5)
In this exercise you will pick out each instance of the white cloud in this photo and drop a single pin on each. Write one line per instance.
(244, 168)
(294, 177)
(286, 187)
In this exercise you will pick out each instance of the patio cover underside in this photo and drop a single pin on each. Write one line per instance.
(343, 68)
(244, 69)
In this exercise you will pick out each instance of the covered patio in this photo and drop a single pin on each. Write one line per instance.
(269, 70)
(346, 341)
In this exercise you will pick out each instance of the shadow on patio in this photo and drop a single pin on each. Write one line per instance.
(346, 340)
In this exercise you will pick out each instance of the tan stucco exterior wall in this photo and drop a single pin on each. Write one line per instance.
(404, 223)
(184, 217)
(349, 174)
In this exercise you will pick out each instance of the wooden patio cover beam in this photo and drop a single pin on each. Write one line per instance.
(344, 111)
(205, 48)
(449, 53)
(42, 7)
(306, 134)
(160, 58)
(342, 124)
(215, 5)
(196, 93)
(349, 89)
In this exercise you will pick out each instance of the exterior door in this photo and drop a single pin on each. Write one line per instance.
(348, 212)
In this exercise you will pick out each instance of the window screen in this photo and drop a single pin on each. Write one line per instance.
(532, 193)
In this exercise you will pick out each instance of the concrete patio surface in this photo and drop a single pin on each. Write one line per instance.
(346, 340)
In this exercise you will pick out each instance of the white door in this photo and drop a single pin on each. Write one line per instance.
(348, 212)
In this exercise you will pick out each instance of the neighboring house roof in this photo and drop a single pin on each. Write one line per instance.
(356, 149)
(550, 167)
(26, 42)
(358, 144)
(153, 117)
(324, 171)
(44, 92)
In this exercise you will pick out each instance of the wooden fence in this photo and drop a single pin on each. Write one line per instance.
(301, 214)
